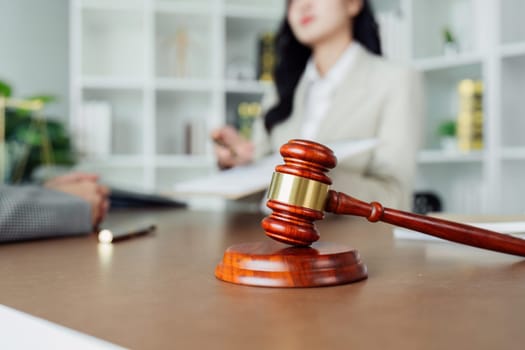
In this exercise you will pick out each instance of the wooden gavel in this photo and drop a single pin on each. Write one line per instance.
(300, 193)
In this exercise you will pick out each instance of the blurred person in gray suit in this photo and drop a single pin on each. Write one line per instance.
(66, 205)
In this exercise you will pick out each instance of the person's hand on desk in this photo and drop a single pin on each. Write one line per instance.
(231, 148)
(85, 186)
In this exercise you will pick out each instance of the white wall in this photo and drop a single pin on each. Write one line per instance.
(34, 49)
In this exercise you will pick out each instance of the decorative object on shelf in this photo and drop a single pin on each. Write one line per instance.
(93, 134)
(246, 114)
(426, 202)
(27, 139)
(450, 44)
(266, 58)
(194, 136)
(181, 47)
(470, 116)
(447, 135)
(239, 69)
(177, 53)
(393, 26)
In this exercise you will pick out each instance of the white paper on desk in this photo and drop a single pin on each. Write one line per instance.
(245, 180)
(513, 228)
(19, 330)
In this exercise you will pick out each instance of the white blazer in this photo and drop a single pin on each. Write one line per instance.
(376, 99)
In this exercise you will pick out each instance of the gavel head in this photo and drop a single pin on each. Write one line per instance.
(298, 192)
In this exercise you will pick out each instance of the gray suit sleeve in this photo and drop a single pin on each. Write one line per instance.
(30, 212)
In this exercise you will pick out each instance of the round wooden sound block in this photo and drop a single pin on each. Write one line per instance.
(273, 264)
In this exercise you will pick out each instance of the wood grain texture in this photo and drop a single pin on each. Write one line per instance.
(159, 291)
(272, 264)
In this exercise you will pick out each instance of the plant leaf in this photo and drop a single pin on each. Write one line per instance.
(5, 89)
(43, 98)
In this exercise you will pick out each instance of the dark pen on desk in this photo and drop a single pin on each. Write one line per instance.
(110, 236)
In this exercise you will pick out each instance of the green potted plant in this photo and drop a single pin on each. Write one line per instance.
(447, 135)
(32, 140)
(450, 44)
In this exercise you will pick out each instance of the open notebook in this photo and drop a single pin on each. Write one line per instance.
(246, 180)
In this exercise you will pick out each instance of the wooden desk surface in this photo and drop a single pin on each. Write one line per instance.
(159, 291)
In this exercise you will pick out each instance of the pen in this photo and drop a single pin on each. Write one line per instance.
(109, 236)
(218, 141)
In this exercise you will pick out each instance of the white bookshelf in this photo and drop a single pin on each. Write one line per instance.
(491, 48)
(124, 52)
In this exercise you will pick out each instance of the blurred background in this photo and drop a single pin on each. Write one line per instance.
(132, 88)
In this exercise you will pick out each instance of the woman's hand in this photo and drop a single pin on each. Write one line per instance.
(231, 148)
(85, 186)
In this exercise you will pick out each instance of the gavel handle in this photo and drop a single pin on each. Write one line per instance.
(340, 203)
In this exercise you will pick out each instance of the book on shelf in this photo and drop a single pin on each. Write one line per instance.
(245, 180)
(195, 136)
(393, 29)
(266, 58)
(470, 115)
(93, 129)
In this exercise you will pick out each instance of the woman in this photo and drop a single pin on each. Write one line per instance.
(333, 86)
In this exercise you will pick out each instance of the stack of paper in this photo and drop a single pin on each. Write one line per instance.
(242, 181)
(513, 228)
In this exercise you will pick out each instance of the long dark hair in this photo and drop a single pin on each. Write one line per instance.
(292, 57)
